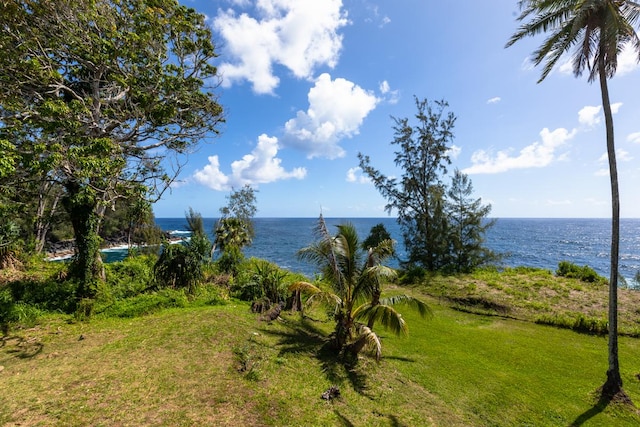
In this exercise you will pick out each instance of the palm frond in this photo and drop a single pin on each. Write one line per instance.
(316, 295)
(367, 339)
(414, 303)
(386, 315)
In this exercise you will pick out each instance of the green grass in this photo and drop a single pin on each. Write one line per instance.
(219, 365)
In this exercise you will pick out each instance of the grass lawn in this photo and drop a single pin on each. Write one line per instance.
(220, 366)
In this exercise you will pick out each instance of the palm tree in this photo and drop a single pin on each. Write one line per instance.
(356, 277)
(595, 31)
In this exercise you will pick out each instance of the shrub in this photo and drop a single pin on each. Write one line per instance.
(129, 277)
(48, 294)
(262, 280)
(181, 266)
(230, 260)
(585, 273)
(144, 304)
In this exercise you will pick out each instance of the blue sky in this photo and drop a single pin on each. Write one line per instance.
(307, 84)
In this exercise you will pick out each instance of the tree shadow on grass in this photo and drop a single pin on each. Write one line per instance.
(22, 348)
(604, 400)
(304, 337)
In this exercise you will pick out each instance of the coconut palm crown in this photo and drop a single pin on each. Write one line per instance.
(356, 277)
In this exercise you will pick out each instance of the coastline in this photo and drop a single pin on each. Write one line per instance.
(69, 252)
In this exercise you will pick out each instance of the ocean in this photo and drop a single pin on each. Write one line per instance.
(531, 242)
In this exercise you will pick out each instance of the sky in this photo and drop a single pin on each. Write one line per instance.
(306, 85)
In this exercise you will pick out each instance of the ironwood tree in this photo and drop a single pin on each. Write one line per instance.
(420, 197)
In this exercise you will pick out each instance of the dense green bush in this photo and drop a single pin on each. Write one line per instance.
(584, 273)
(48, 294)
(181, 265)
(144, 304)
(129, 277)
(261, 280)
(230, 260)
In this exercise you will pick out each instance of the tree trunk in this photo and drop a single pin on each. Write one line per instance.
(87, 263)
(613, 384)
(43, 218)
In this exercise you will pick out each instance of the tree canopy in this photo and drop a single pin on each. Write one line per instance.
(101, 96)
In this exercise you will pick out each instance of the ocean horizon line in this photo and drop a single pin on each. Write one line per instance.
(392, 217)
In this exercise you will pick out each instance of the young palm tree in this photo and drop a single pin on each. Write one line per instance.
(595, 31)
(356, 277)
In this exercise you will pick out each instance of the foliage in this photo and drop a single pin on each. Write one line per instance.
(144, 304)
(129, 277)
(356, 278)
(467, 226)
(584, 273)
(51, 293)
(180, 265)
(261, 280)
(235, 226)
(95, 96)
(377, 235)
(429, 215)
(230, 260)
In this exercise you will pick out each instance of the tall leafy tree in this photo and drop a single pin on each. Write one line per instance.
(355, 277)
(99, 94)
(593, 32)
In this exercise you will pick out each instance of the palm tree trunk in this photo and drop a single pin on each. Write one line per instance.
(613, 384)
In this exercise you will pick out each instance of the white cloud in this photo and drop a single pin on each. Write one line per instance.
(627, 61)
(536, 155)
(621, 156)
(355, 175)
(300, 35)
(260, 167)
(589, 115)
(391, 96)
(634, 137)
(494, 100)
(615, 107)
(336, 111)
(454, 151)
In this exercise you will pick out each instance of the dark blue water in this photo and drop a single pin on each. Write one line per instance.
(539, 243)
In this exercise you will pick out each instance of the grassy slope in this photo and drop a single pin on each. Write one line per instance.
(180, 367)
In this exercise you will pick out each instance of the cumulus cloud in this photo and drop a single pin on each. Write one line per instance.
(261, 166)
(336, 110)
(355, 175)
(589, 115)
(494, 100)
(634, 137)
(299, 35)
(536, 155)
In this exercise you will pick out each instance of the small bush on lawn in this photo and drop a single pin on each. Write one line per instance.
(585, 273)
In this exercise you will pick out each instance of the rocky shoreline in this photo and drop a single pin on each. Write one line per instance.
(65, 249)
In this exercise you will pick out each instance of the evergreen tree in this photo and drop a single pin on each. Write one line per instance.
(467, 226)
(420, 197)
